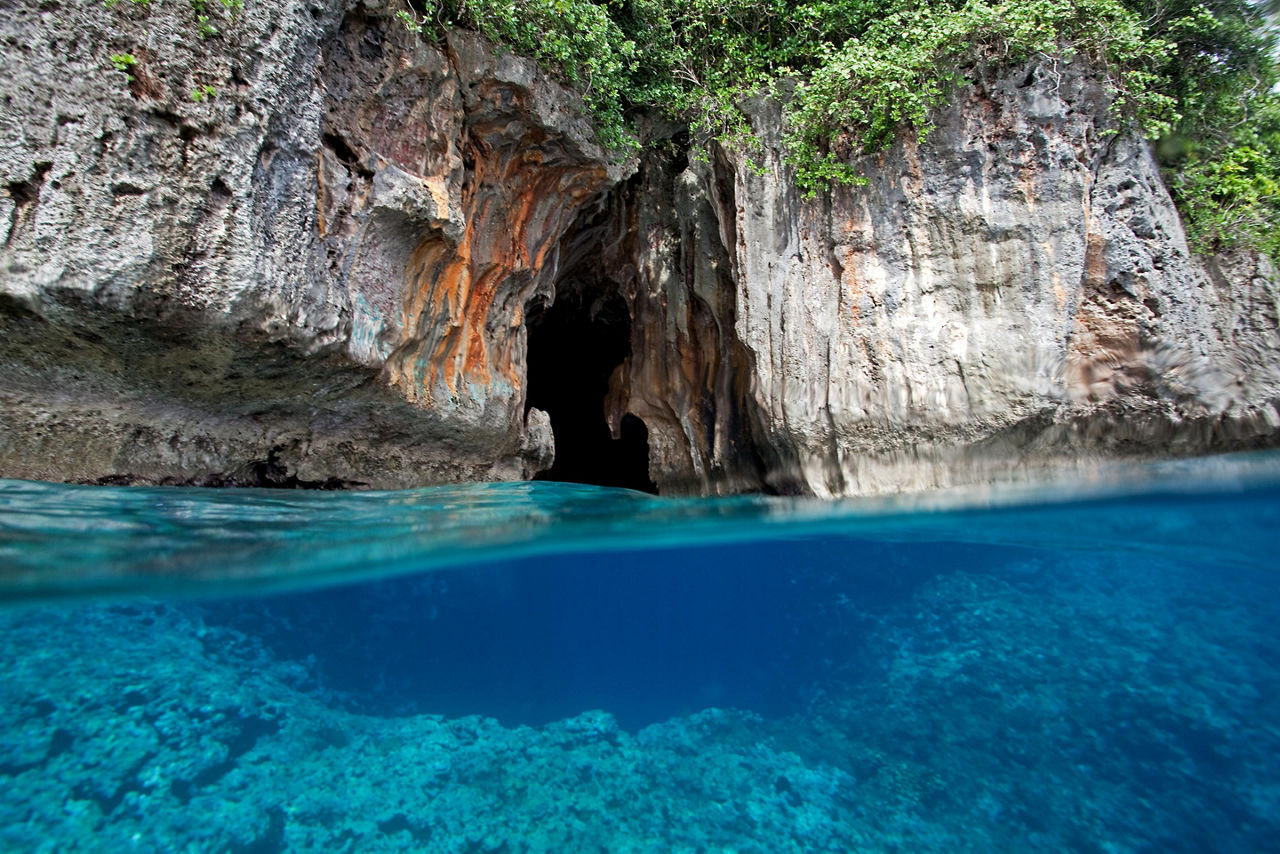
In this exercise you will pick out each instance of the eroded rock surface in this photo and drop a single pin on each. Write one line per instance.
(1014, 292)
(324, 271)
(317, 275)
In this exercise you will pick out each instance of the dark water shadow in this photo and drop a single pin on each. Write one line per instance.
(643, 635)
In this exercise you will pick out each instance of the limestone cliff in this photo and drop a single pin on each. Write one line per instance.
(316, 275)
(1014, 293)
(368, 259)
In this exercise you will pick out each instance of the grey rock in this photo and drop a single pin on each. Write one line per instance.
(320, 275)
(1016, 292)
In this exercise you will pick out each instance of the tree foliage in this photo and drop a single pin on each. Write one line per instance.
(1221, 158)
(1197, 76)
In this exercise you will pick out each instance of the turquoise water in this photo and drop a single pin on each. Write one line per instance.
(1089, 665)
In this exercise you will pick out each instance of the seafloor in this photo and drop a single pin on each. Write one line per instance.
(1092, 702)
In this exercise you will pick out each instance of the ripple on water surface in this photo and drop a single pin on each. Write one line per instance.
(1090, 665)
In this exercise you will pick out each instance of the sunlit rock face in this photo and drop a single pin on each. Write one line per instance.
(1013, 293)
(330, 272)
(317, 276)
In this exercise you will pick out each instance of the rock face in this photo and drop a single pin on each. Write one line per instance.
(327, 270)
(1014, 293)
(317, 275)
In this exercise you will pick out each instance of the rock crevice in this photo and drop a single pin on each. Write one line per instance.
(323, 268)
(328, 273)
(1015, 293)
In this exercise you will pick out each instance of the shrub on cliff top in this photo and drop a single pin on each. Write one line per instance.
(904, 64)
(1221, 158)
(1196, 75)
(1199, 77)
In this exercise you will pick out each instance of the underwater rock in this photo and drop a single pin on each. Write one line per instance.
(989, 699)
(160, 732)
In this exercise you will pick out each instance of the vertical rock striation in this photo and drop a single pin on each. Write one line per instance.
(323, 269)
(317, 275)
(1015, 292)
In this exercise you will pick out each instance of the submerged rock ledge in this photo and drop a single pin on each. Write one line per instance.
(373, 260)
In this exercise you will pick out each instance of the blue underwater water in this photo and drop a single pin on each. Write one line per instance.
(1088, 665)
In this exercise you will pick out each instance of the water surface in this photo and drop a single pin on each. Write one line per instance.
(1088, 665)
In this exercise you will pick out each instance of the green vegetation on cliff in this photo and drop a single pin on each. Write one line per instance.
(1197, 76)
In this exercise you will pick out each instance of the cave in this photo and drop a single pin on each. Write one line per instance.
(575, 343)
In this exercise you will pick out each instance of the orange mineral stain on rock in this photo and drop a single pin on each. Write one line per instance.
(322, 225)
(1104, 355)
(1095, 261)
(1055, 277)
(464, 303)
(439, 195)
(853, 288)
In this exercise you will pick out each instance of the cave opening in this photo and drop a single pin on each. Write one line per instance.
(575, 344)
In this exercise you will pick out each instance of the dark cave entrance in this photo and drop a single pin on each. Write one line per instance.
(574, 346)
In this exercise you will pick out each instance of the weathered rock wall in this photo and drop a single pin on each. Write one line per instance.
(1013, 293)
(316, 275)
(321, 274)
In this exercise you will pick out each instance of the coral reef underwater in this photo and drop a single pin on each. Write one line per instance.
(975, 699)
